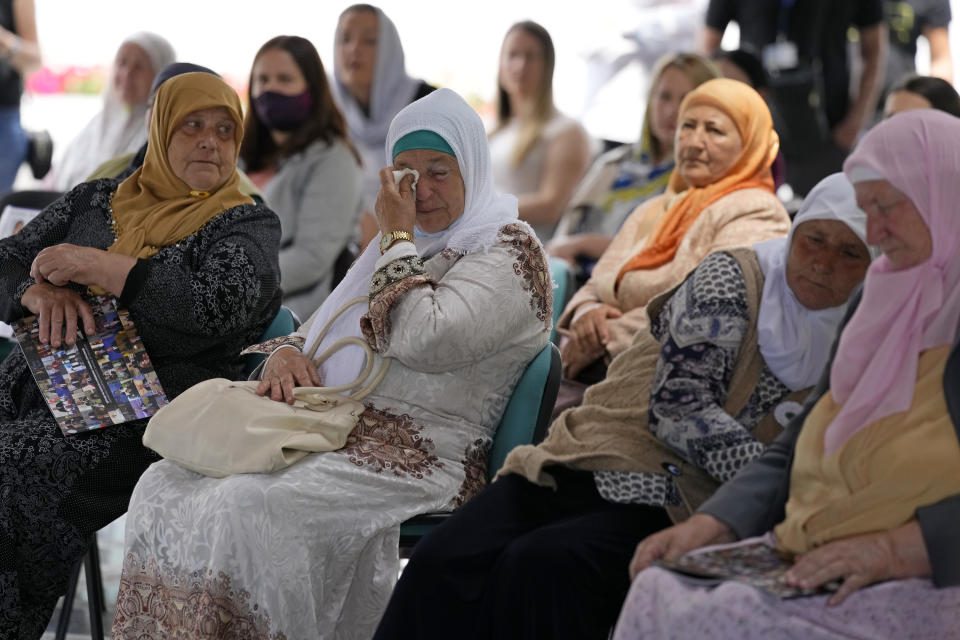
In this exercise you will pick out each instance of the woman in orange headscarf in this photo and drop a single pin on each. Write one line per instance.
(720, 196)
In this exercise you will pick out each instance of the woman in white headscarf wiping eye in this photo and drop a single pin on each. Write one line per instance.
(460, 301)
(690, 401)
(118, 128)
(371, 84)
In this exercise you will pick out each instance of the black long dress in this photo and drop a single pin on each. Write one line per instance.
(196, 304)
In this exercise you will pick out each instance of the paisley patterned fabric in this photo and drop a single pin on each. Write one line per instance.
(312, 551)
(195, 304)
(700, 330)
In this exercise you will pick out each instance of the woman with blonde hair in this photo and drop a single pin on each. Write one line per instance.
(538, 153)
(625, 177)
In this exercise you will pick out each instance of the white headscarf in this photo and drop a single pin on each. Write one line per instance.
(392, 90)
(795, 341)
(117, 128)
(484, 212)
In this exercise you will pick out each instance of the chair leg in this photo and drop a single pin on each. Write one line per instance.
(95, 597)
(63, 622)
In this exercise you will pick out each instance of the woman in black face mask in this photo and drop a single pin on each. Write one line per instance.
(295, 149)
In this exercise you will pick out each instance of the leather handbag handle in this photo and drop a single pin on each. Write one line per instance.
(342, 342)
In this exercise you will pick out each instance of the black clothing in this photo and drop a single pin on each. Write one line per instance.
(522, 561)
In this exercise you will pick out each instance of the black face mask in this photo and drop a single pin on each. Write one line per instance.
(282, 112)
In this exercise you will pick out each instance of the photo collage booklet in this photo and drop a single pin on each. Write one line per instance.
(104, 379)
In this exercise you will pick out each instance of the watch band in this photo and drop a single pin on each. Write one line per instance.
(392, 237)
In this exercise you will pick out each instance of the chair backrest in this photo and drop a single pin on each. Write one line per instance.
(29, 199)
(283, 324)
(527, 415)
(562, 276)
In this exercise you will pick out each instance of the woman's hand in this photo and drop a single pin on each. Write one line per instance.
(699, 531)
(58, 311)
(63, 263)
(285, 369)
(575, 358)
(396, 206)
(591, 330)
(862, 560)
(565, 248)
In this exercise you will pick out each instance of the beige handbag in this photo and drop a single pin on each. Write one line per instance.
(220, 427)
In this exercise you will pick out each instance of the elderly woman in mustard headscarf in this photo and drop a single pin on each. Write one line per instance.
(719, 196)
(191, 259)
(862, 490)
(459, 298)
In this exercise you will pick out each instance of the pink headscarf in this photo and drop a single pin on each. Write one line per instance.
(902, 313)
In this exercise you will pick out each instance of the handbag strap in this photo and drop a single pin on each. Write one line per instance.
(342, 342)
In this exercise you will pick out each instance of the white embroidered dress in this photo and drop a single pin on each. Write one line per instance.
(312, 551)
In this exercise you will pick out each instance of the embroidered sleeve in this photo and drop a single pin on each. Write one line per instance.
(702, 326)
(388, 286)
(273, 344)
(449, 314)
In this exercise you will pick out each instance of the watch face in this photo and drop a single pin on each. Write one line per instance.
(385, 241)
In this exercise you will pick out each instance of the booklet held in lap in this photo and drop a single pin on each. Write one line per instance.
(104, 379)
(756, 563)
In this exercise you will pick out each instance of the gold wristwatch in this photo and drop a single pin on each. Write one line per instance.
(388, 239)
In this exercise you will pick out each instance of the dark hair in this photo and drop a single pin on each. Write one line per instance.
(326, 122)
(939, 93)
(749, 63)
(543, 109)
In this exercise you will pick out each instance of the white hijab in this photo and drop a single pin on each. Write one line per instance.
(795, 341)
(485, 211)
(117, 128)
(392, 90)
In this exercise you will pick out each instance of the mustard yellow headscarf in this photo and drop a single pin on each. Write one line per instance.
(154, 208)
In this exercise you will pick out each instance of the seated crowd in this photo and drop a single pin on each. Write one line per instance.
(734, 377)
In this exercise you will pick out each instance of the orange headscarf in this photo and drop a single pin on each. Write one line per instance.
(751, 170)
(154, 208)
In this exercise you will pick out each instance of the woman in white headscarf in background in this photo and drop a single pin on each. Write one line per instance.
(460, 299)
(370, 83)
(118, 128)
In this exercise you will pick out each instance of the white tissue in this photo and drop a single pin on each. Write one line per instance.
(398, 176)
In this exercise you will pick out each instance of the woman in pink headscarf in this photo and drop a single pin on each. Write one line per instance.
(864, 486)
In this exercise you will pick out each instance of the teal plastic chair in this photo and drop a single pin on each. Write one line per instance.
(524, 421)
(563, 277)
(283, 324)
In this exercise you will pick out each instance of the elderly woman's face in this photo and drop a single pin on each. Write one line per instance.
(441, 194)
(900, 101)
(708, 144)
(894, 224)
(356, 43)
(826, 261)
(521, 63)
(132, 74)
(202, 151)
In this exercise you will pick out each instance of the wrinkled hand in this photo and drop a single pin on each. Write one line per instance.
(862, 560)
(284, 370)
(58, 311)
(575, 358)
(63, 263)
(396, 205)
(699, 531)
(591, 329)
